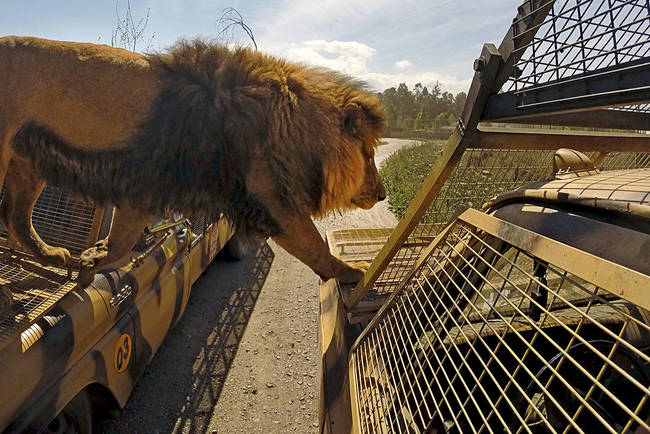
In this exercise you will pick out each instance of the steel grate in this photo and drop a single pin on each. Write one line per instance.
(583, 36)
(362, 245)
(199, 225)
(486, 337)
(626, 160)
(34, 288)
(480, 175)
(62, 220)
(639, 108)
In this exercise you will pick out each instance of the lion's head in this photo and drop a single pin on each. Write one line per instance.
(351, 177)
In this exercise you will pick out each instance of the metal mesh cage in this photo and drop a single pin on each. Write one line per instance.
(480, 175)
(583, 36)
(362, 245)
(33, 288)
(62, 220)
(626, 160)
(484, 330)
(199, 225)
(491, 335)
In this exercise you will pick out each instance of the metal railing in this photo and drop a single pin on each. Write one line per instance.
(63, 220)
(467, 344)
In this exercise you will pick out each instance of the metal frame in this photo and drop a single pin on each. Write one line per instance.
(53, 213)
(576, 97)
(598, 278)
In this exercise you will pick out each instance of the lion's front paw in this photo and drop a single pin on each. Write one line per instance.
(353, 272)
(89, 260)
(57, 256)
(91, 257)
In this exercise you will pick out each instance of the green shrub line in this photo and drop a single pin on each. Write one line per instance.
(404, 171)
(484, 174)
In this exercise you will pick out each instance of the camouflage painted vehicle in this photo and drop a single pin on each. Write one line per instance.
(531, 316)
(65, 350)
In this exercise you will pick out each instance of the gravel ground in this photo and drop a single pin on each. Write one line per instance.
(244, 358)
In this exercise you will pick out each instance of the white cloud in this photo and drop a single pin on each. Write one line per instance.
(286, 19)
(354, 58)
(348, 57)
(403, 64)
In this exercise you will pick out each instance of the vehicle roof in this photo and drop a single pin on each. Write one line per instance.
(604, 213)
(626, 191)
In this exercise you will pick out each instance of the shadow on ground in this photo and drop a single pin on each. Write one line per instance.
(180, 389)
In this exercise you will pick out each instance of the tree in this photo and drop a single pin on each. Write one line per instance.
(422, 120)
(230, 20)
(128, 33)
(421, 107)
(459, 102)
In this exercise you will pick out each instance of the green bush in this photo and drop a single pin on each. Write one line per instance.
(405, 170)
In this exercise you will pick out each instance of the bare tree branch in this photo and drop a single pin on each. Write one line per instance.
(127, 33)
(230, 20)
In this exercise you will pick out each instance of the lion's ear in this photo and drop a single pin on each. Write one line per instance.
(352, 118)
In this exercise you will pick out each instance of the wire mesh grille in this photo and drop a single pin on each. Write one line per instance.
(199, 225)
(61, 220)
(353, 245)
(362, 245)
(639, 108)
(625, 160)
(481, 175)
(487, 338)
(583, 36)
(33, 288)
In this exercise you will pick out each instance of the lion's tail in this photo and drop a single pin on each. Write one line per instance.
(62, 165)
(117, 175)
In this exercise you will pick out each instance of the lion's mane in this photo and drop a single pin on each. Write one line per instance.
(216, 110)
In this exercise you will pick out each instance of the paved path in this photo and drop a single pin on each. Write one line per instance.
(244, 358)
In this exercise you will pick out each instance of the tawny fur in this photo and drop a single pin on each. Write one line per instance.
(201, 129)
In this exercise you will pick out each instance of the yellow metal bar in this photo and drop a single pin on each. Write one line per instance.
(617, 279)
(486, 66)
(354, 407)
(439, 173)
(375, 320)
(98, 216)
(335, 415)
(547, 139)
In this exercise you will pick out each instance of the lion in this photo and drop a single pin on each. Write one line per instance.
(202, 129)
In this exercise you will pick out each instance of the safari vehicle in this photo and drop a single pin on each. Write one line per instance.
(65, 350)
(513, 296)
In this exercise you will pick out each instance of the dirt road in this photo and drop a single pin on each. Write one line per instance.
(244, 358)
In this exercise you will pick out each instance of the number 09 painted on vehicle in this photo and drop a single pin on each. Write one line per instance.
(122, 355)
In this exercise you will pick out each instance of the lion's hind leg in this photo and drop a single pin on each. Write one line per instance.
(23, 186)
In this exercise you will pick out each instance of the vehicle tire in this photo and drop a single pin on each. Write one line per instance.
(76, 417)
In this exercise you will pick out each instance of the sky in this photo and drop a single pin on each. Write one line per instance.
(384, 42)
